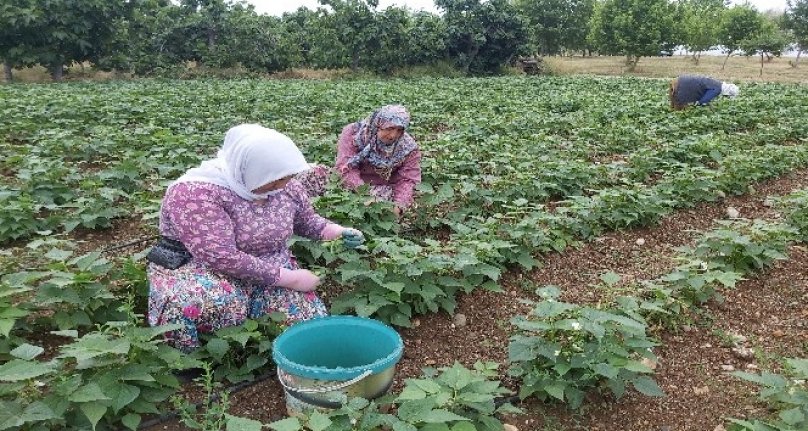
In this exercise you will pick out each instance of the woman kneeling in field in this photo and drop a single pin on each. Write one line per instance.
(379, 152)
(223, 254)
(697, 90)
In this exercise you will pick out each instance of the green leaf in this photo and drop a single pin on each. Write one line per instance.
(610, 278)
(217, 348)
(318, 421)
(800, 366)
(131, 421)
(606, 370)
(121, 394)
(411, 393)
(27, 352)
(427, 386)
(17, 370)
(93, 411)
(6, 325)
(550, 309)
(464, 426)
(10, 415)
(413, 410)
(793, 416)
(441, 416)
(556, 390)
(647, 386)
(235, 423)
(38, 412)
(87, 393)
(288, 424)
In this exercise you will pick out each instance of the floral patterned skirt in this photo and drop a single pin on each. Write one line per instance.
(203, 301)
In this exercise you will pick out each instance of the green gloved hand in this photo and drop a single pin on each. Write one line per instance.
(352, 238)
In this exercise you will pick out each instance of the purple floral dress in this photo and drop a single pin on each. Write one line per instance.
(238, 249)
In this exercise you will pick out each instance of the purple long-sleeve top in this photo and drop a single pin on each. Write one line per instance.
(403, 179)
(234, 236)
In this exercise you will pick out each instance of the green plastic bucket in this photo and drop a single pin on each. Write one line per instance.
(323, 361)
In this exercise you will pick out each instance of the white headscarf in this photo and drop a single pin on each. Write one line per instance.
(250, 157)
(728, 89)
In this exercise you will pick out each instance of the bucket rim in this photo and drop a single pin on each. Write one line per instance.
(340, 373)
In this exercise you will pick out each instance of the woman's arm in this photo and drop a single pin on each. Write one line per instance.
(207, 231)
(405, 178)
(345, 151)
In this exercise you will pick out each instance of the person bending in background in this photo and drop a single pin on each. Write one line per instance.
(697, 90)
(379, 152)
(223, 255)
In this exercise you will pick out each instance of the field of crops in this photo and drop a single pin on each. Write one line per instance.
(519, 175)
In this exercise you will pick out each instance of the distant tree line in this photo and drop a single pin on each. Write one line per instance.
(154, 37)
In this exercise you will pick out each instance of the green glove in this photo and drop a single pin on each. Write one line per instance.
(352, 238)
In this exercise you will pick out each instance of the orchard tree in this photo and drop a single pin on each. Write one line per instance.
(18, 34)
(700, 21)
(634, 28)
(737, 24)
(386, 51)
(554, 25)
(796, 21)
(145, 40)
(427, 39)
(354, 22)
(315, 38)
(767, 41)
(482, 35)
(58, 32)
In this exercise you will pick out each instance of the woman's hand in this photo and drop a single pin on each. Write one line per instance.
(301, 280)
(352, 238)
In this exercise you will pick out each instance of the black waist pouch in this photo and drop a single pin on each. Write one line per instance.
(169, 253)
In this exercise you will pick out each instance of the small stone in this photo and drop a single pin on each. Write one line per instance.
(460, 320)
(701, 390)
(719, 427)
(751, 367)
(650, 363)
(778, 333)
(640, 241)
(721, 194)
(727, 367)
(743, 352)
(416, 323)
(737, 338)
(509, 427)
(706, 346)
(430, 362)
(768, 203)
(751, 190)
(687, 328)
(733, 213)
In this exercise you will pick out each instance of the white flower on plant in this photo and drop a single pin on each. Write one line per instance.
(575, 326)
(556, 353)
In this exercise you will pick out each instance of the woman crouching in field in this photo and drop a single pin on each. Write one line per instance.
(224, 226)
(376, 151)
(697, 90)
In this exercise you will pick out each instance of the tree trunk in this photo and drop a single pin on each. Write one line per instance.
(57, 72)
(698, 57)
(355, 61)
(725, 61)
(10, 76)
(761, 64)
(797, 61)
(631, 62)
